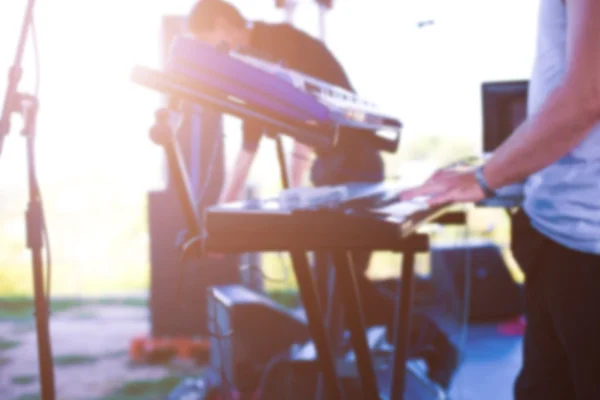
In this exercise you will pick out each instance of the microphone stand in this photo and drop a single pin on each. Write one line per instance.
(27, 105)
(11, 97)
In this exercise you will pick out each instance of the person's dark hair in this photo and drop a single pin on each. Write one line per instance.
(205, 13)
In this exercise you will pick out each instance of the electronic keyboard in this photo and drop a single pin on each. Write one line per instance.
(364, 215)
(286, 101)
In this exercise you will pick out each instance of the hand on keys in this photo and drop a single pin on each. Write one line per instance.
(448, 186)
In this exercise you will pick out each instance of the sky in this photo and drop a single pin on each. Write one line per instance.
(93, 120)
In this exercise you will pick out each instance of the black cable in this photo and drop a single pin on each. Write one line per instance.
(271, 364)
(226, 384)
(286, 273)
(265, 276)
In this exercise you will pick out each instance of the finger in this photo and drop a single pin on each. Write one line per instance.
(443, 173)
(448, 172)
(427, 189)
(430, 187)
(457, 195)
(449, 197)
(443, 182)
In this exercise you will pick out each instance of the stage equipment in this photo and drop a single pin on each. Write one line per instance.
(27, 105)
(200, 142)
(360, 230)
(247, 331)
(339, 220)
(348, 217)
(494, 294)
(239, 84)
(504, 109)
(343, 218)
(311, 111)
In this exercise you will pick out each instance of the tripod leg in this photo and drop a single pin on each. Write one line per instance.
(316, 324)
(355, 321)
(402, 325)
(35, 227)
(43, 330)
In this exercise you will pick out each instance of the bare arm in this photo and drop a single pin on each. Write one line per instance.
(252, 134)
(568, 114)
(237, 182)
(301, 162)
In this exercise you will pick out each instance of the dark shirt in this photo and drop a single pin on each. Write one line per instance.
(301, 52)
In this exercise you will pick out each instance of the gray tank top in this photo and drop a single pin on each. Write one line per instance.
(562, 200)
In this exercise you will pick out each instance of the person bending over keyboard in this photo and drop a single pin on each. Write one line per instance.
(217, 22)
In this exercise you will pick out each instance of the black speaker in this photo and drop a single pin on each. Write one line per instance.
(493, 293)
(168, 316)
(297, 380)
(247, 330)
(199, 139)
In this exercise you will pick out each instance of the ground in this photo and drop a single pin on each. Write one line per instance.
(90, 346)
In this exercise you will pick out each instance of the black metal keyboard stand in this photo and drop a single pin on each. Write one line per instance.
(316, 323)
(162, 135)
(412, 245)
(355, 320)
(347, 284)
(309, 295)
(355, 317)
(402, 321)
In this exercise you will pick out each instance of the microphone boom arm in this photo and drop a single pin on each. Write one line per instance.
(12, 98)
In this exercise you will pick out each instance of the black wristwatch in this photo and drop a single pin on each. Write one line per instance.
(487, 190)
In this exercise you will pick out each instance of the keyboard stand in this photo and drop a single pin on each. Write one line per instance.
(161, 134)
(355, 320)
(330, 231)
(331, 236)
(309, 296)
(402, 322)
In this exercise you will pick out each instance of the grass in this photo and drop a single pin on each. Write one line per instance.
(145, 389)
(8, 344)
(115, 354)
(23, 308)
(74, 359)
(97, 233)
(30, 396)
(20, 308)
(24, 379)
(287, 298)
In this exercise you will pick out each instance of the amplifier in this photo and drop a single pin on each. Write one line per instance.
(297, 380)
(494, 294)
(247, 330)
